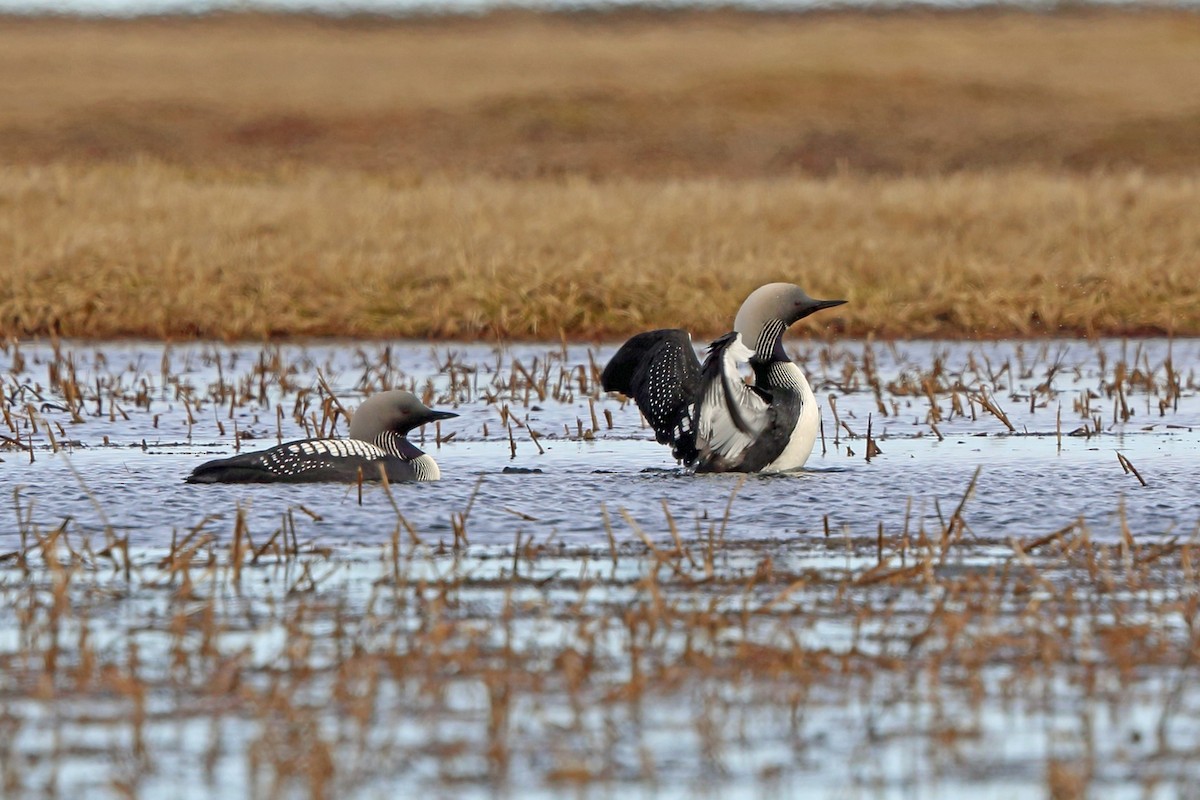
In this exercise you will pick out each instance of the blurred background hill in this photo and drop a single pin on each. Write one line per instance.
(610, 93)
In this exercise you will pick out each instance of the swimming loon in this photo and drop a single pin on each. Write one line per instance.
(377, 440)
(713, 420)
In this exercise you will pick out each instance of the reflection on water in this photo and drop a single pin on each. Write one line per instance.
(991, 606)
(145, 414)
(823, 667)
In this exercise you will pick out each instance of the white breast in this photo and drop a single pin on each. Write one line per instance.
(804, 435)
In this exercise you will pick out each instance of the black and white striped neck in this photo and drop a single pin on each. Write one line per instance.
(397, 444)
(769, 347)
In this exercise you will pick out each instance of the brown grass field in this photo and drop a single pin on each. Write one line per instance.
(971, 174)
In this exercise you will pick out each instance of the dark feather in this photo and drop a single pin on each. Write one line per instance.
(660, 371)
(769, 440)
(337, 461)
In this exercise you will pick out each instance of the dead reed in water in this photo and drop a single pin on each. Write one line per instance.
(671, 651)
(255, 394)
(651, 659)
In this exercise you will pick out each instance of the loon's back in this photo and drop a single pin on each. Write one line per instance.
(318, 461)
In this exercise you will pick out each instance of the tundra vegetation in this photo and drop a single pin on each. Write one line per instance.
(568, 177)
(971, 174)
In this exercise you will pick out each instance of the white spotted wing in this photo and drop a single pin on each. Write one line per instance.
(297, 457)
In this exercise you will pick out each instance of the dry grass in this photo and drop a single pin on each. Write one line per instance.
(146, 249)
(975, 174)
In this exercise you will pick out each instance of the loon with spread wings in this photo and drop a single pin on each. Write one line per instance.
(713, 420)
(377, 445)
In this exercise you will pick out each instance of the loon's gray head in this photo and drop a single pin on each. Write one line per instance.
(768, 312)
(396, 411)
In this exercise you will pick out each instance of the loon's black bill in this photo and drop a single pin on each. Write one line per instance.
(817, 305)
(437, 415)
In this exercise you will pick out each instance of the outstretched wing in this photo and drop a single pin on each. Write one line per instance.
(731, 415)
(660, 371)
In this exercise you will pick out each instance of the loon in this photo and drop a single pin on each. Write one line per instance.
(713, 420)
(376, 444)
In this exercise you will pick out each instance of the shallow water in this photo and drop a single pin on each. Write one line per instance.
(828, 632)
(127, 473)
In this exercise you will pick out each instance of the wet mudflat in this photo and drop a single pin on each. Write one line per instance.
(993, 601)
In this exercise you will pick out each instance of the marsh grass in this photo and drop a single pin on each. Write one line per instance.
(73, 383)
(255, 397)
(250, 657)
(984, 174)
(151, 250)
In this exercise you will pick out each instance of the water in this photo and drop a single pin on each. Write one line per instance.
(811, 633)
(127, 473)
